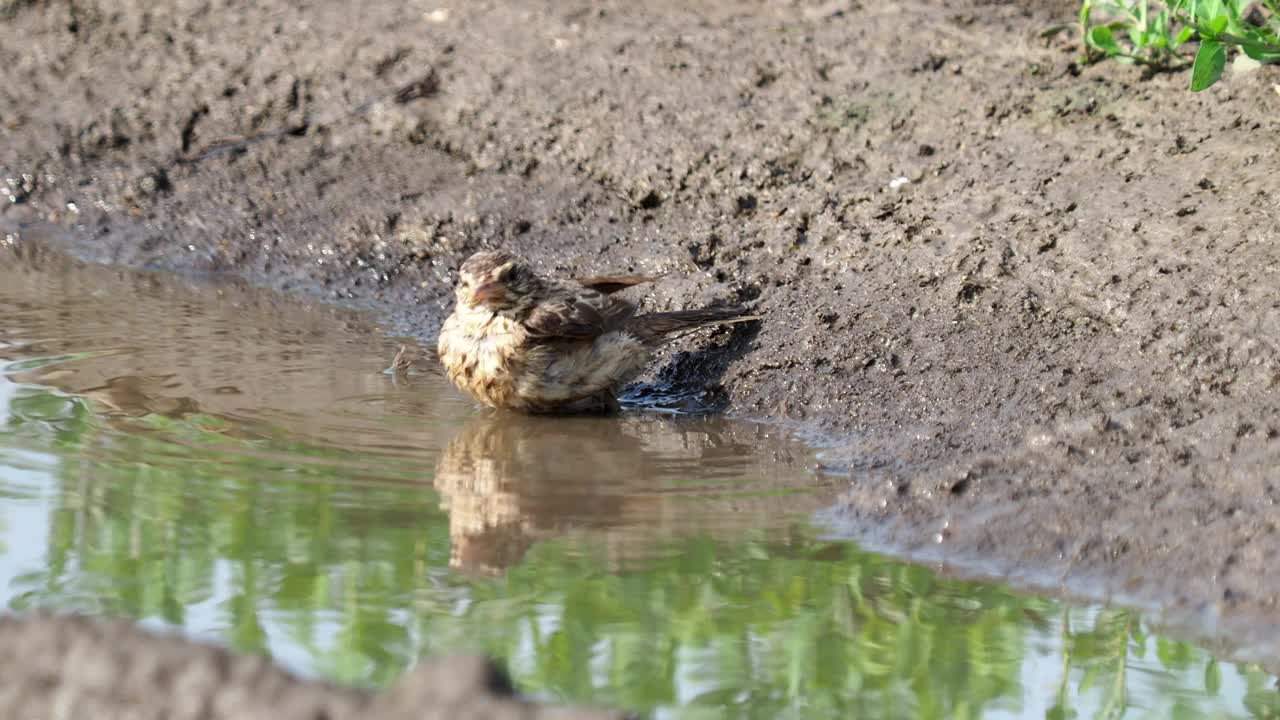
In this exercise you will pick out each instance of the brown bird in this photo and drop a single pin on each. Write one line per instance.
(522, 342)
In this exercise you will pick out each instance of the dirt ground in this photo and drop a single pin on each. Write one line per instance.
(69, 666)
(1050, 355)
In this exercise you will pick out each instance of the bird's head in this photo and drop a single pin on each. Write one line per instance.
(495, 281)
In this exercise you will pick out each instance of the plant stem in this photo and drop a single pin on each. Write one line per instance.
(1237, 40)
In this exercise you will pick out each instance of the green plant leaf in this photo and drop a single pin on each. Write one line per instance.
(1211, 58)
(1257, 43)
(1212, 678)
(1254, 50)
(1182, 37)
(1233, 17)
(1207, 10)
(1101, 38)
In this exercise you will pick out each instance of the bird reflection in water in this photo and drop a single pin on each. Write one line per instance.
(508, 481)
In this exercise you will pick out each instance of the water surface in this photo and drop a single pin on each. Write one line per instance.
(220, 460)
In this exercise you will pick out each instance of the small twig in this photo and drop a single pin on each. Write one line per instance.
(401, 362)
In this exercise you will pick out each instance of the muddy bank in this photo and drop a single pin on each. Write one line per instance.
(75, 666)
(1053, 349)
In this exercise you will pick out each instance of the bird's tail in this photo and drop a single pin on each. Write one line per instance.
(660, 326)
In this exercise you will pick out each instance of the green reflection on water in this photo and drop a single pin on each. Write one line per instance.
(268, 544)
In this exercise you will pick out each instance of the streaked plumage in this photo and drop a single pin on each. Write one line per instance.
(522, 342)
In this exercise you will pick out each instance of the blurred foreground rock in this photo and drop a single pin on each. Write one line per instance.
(71, 666)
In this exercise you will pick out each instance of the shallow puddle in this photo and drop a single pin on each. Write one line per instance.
(240, 466)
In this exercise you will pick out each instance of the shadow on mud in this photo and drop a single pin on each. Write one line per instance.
(691, 382)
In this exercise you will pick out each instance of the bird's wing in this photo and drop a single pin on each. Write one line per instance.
(609, 284)
(577, 315)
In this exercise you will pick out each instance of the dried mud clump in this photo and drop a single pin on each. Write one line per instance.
(69, 666)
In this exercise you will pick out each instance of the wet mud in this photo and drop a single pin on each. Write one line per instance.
(1031, 305)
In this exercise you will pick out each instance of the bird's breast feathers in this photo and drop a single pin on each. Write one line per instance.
(480, 353)
(497, 361)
